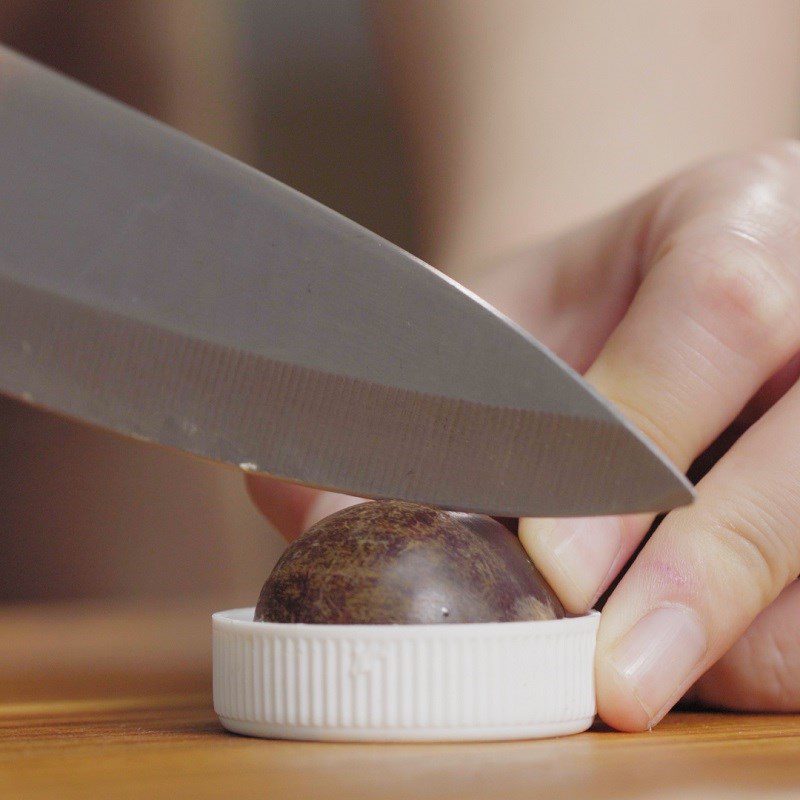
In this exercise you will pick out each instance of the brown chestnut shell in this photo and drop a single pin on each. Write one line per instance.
(394, 562)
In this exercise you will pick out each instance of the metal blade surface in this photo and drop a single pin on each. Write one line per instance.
(151, 285)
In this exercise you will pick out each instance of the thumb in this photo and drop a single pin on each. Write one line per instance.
(292, 508)
(327, 503)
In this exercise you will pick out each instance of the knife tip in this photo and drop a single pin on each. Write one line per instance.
(683, 493)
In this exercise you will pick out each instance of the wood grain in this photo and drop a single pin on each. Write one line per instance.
(130, 716)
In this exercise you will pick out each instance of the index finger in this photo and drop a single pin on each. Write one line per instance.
(715, 316)
(293, 508)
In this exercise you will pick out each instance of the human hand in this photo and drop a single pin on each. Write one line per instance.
(684, 309)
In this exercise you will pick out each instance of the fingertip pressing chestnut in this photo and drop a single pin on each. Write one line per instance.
(394, 562)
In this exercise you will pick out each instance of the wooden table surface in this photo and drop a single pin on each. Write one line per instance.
(115, 703)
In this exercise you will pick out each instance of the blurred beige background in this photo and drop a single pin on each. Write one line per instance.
(290, 88)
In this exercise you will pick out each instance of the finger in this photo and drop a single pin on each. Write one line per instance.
(761, 672)
(775, 388)
(285, 505)
(715, 316)
(292, 508)
(327, 503)
(705, 574)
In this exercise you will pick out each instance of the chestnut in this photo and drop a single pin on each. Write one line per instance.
(393, 562)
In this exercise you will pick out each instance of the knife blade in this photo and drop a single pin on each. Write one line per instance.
(153, 286)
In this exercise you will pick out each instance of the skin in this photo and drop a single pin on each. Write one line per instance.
(391, 562)
(683, 306)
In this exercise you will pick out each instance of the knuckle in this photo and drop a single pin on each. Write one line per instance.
(758, 190)
(781, 154)
(775, 163)
(747, 285)
(747, 541)
(763, 177)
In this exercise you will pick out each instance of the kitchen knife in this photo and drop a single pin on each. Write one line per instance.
(153, 286)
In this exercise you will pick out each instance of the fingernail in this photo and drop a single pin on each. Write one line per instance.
(658, 655)
(583, 550)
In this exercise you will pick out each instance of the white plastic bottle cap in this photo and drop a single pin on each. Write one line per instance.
(497, 680)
